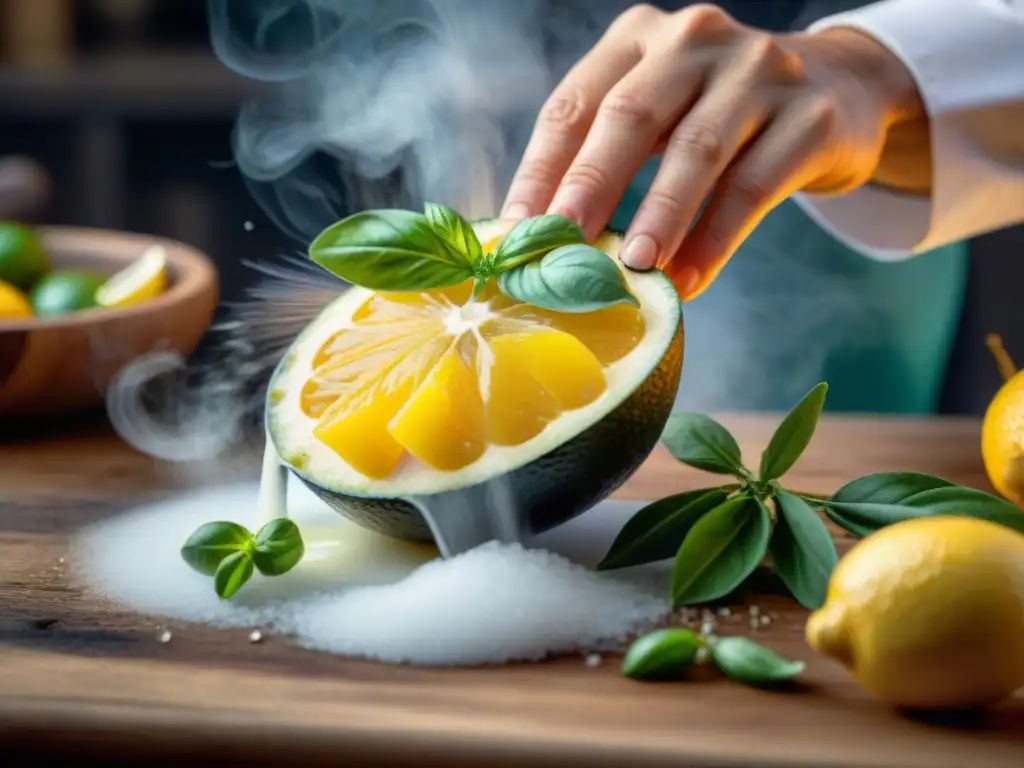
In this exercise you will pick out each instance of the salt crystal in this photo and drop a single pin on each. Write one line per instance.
(594, 660)
(255, 636)
(248, 226)
(361, 594)
(165, 636)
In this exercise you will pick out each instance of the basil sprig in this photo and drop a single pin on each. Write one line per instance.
(720, 535)
(544, 261)
(230, 553)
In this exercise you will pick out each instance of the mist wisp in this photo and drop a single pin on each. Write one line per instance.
(388, 103)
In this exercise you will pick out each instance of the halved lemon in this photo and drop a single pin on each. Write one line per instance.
(392, 396)
(142, 280)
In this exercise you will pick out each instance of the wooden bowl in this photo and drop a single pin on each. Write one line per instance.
(59, 365)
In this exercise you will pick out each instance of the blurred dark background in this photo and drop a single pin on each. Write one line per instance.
(126, 107)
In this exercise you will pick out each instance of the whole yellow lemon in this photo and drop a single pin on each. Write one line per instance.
(1002, 431)
(929, 613)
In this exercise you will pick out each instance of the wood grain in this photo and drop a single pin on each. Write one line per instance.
(81, 680)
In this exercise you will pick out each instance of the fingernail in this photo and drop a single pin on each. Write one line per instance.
(687, 280)
(641, 252)
(516, 211)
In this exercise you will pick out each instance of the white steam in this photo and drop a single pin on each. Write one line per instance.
(381, 103)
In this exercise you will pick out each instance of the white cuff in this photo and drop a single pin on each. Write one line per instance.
(967, 58)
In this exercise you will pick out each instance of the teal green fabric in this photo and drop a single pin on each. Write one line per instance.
(795, 306)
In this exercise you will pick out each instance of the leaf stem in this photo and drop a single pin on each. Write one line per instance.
(1004, 362)
(479, 283)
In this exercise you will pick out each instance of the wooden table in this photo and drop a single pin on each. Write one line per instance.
(81, 680)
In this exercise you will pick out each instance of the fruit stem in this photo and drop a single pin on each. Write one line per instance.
(1004, 362)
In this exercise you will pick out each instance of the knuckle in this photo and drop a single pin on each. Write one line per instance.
(630, 106)
(744, 193)
(537, 173)
(662, 204)
(821, 116)
(764, 54)
(702, 22)
(566, 112)
(697, 142)
(638, 16)
(586, 176)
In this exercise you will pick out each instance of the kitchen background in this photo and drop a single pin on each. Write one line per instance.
(127, 109)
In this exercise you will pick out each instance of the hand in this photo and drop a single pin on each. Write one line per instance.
(741, 117)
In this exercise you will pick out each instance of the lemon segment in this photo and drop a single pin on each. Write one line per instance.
(14, 305)
(142, 280)
(442, 425)
(929, 613)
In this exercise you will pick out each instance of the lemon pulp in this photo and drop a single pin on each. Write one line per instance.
(439, 376)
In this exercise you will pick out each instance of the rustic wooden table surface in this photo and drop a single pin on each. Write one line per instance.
(81, 680)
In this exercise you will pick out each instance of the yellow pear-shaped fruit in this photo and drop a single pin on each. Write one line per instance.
(929, 613)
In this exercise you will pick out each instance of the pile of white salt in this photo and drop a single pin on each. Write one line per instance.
(361, 594)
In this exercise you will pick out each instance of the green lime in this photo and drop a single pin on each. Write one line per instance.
(23, 260)
(60, 293)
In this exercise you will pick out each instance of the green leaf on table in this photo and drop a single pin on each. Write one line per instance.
(793, 435)
(390, 250)
(743, 660)
(532, 238)
(232, 574)
(888, 487)
(879, 488)
(278, 547)
(573, 278)
(661, 654)
(655, 532)
(210, 543)
(701, 442)
(721, 550)
(951, 500)
(455, 230)
(802, 551)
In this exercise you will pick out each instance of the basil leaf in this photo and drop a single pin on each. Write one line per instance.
(888, 487)
(390, 250)
(232, 574)
(455, 230)
(573, 278)
(722, 549)
(661, 654)
(952, 500)
(699, 441)
(532, 238)
(209, 544)
(278, 547)
(656, 531)
(743, 660)
(802, 551)
(793, 435)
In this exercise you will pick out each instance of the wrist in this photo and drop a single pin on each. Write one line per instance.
(873, 65)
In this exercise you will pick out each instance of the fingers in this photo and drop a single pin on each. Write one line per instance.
(563, 124)
(725, 118)
(777, 164)
(627, 127)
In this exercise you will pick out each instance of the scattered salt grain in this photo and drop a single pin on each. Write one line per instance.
(248, 226)
(255, 637)
(165, 636)
(724, 612)
(754, 610)
(361, 594)
(594, 660)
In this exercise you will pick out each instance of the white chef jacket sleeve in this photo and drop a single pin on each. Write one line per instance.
(967, 57)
